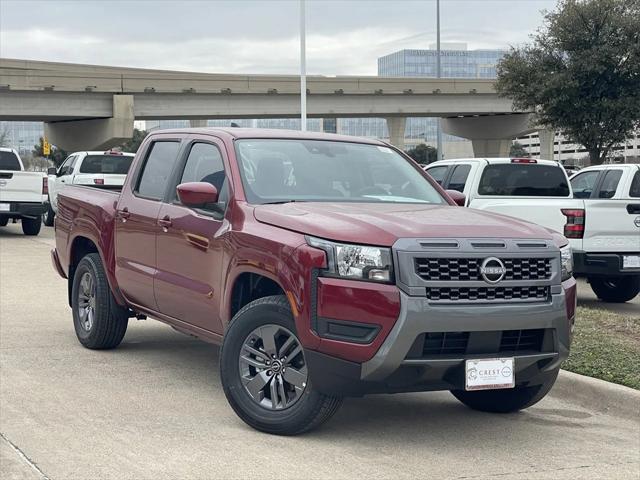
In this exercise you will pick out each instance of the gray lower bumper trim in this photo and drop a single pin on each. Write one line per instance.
(417, 316)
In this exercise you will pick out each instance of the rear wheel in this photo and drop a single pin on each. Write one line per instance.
(264, 372)
(100, 323)
(615, 289)
(506, 400)
(31, 226)
(48, 216)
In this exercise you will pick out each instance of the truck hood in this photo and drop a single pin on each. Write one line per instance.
(384, 223)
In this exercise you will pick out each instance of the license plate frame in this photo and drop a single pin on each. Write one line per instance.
(630, 261)
(489, 374)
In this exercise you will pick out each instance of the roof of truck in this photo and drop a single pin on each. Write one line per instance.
(236, 132)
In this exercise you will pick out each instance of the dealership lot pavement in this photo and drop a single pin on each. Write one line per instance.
(154, 408)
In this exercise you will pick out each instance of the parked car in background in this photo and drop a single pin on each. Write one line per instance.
(534, 190)
(607, 248)
(96, 169)
(22, 194)
(326, 266)
(571, 169)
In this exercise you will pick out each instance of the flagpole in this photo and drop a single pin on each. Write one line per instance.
(303, 68)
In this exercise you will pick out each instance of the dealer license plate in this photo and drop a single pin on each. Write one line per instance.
(5, 207)
(489, 374)
(631, 261)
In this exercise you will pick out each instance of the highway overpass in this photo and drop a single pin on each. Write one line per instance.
(88, 106)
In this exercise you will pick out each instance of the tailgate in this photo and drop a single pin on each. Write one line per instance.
(99, 179)
(16, 186)
(610, 226)
(541, 210)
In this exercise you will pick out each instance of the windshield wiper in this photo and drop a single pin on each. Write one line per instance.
(280, 202)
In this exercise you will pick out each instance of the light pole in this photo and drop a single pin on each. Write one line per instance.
(439, 74)
(303, 68)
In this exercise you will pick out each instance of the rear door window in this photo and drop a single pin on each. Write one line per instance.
(634, 192)
(523, 180)
(9, 161)
(157, 169)
(609, 184)
(113, 164)
(458, 178)
(584, 183)
(438, 173)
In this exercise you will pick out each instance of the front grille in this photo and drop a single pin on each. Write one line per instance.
(522, 340)
(494, 342)
(442, 343)
(491, 294)
(468, 269)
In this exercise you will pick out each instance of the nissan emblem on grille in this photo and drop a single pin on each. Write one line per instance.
(492, 270)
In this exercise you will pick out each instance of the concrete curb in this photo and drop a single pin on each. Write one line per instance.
(597, 394)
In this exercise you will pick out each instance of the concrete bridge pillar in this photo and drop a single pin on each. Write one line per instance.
(396, 126)
(546, 138)
(197, 123)
(94, 134)
(490, 135)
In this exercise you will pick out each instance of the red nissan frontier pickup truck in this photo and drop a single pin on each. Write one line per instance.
(326, 266)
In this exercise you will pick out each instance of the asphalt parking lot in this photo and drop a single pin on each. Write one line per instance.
(154, 408)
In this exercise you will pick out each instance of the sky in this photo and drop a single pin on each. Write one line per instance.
(344, 37)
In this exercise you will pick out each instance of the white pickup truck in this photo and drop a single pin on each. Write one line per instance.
(534, 190)
(22, 194)
(97, 169)
(608, 254)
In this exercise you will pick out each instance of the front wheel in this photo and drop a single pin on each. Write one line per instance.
(4, 221)
(264, 372)
(505, 400)
(100, 323)
(31, 226)
(615, 289)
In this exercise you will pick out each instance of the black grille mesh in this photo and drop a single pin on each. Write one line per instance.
(468, 269)
(472, 294)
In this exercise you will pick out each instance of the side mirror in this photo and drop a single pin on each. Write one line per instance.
(457, 197)
(197, 194)
(51, 171)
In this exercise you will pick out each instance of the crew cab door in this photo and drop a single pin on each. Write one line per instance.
(190, 245)
(137, 221)
(611, 211)
(62, 178)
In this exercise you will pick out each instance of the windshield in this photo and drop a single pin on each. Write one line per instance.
(116, 164)
(9, 161)
(276, 170)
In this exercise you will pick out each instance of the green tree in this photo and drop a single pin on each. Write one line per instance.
(423, 154)
(581, 73)
(57, 155)
(134, 142)
(518, 151)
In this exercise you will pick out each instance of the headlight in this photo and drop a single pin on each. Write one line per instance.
(357, 262)
(566, 256)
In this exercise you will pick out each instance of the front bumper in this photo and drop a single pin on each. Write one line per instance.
(604, 264)
(397, 367)
(23, 209)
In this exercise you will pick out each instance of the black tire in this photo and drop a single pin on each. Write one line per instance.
(505, 400)
(4, 221)
(616, 289)
(48, 216)
(31, 226)
(311, 408)
(109, 322)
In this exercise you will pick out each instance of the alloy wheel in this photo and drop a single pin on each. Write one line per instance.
(87, 301)
(272, 367)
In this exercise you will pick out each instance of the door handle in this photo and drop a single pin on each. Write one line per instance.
(633, 208)
(123, 214)
(165, 222)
